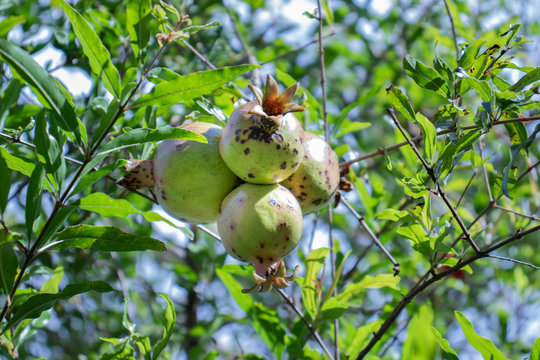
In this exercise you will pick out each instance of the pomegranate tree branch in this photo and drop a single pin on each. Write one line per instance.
(320, 12)
(373, 237)
(314, 332)
(454, 34)
(439, 189)
(514, 261)
(416, 139)
(426, 281)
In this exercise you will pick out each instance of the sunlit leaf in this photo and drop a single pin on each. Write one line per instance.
(310, 292)
(488, 350)
(105, 238)
(93, 48)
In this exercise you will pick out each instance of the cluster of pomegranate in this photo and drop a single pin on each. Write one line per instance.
(256, 177)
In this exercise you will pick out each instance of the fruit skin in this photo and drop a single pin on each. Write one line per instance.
(261, 150)
(191, 179)
(316, 180)
(260, 224)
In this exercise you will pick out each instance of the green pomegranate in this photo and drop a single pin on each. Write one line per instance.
(260, 224)
(189, 178)
(316, 180)
(262, 141)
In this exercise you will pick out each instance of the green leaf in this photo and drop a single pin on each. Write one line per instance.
(138, 16)
(310, 292)
(527, 79)
(351, 126)
(141, 136)
(56, 222)
(425, 76)
(48, 91)
(480, 86)
(488, 350)
(106, 206)
(196, 28)
(265, 321)
(169, 319)
(105, 238)
(99, 56)
(447, 352)
(33, 198)
(8, 23)
(94, 176)
(362, 337)
(51, 285)
(5, 183)
(328, 11)
(191, 86)
(8, 267)
(35, 305)
(401, 102)
(535, 352)
(469, 55)
(430, 135)
(17, 164)
(337, 305)
(420, 343)
(121, 349)
(417, 236)
(50, 152)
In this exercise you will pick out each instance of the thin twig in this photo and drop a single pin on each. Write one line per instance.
(327, 138)
(514, 261)
(314, 332)
(530, 217)
(486, 179)
(424, 283)
(199, 55)
(300, 48)
(454, 34)
(255, 78)
(440, 191)
(373, 237)
(466, 188)
(416, 139)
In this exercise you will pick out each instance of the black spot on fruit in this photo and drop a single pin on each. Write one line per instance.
(283, 165)
(281, 225)
(316, 201)
(237, 138)
(288, 238)
(294, 165)
(278, 146)
(261, 245)
(251, 176)
(179, 146)
(246, 151)
(295, 151)
(260, 259)
(238, 131)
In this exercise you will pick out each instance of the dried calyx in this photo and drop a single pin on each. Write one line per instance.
(277, 278)
(271, 103)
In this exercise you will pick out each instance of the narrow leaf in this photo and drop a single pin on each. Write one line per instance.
(527, 79)
(48, 91)
(138, 16)
(35, 305)
(420, 342)
(105, 238)
(141, 136)
(33, 198)
(169, 319)
(310, 290)
(488, 350)
(99, 56)
(51, 285)
(430, 135)
(425, 76)
(401, 102)
(361, 338)
(8, 23)
(535, 352)
(447, 352)
(191, 86)
(5, 183)
(8, 267)
(94, 176)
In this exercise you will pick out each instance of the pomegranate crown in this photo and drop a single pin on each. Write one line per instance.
(271, 103)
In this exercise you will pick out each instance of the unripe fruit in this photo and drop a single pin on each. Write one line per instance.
(260, 224)
(316, 180)
(262, 141)
(191, 179)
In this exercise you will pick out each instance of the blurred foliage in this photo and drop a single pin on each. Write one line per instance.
(185, 302)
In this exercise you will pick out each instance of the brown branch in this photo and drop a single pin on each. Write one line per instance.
(440, 191)
(424, 283)
(454, 34)
(466, 188)
(373, 237)
(314, 332)
(416, 139)
(514, 261)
